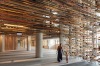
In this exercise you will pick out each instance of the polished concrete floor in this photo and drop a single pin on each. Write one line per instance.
(40, 62)
(27, 58)
(43, 62)
(23, 54)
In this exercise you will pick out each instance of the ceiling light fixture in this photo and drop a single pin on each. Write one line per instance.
(98, 14)
(46, 16)
(55, 13)
(15, 25)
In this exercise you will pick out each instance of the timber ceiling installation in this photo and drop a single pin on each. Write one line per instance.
(31, 16)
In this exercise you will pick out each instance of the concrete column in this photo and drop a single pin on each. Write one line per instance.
(18, 43)
(62, 37)
(55, 44)
(61, 34)
(2, 43)
(39, 40)
(29, 43)
(25, 42)
(48, 41)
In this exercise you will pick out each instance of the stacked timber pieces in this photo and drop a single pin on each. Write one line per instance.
(82, 63)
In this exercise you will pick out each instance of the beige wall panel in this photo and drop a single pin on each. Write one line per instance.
(10, 42)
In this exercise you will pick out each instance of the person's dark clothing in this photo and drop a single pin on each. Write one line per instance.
(59, 57)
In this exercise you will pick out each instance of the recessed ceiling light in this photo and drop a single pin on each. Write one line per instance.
(98, 14)
(54, 13)
(46, 16)
(47, 21)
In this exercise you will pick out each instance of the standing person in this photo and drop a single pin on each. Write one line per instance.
(59, 50)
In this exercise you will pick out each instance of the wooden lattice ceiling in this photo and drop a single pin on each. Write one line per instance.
(44, 15)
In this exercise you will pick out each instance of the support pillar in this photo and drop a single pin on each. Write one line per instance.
(2, 43)
(62, 36)
(25, 42)
(18, 43)
(29, 43)
(48, 42)
(62, 39)
(39, 40)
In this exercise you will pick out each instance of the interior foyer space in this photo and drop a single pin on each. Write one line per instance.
(31, 31)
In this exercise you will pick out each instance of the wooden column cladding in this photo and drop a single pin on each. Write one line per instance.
(10, 42)
(0, 43)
